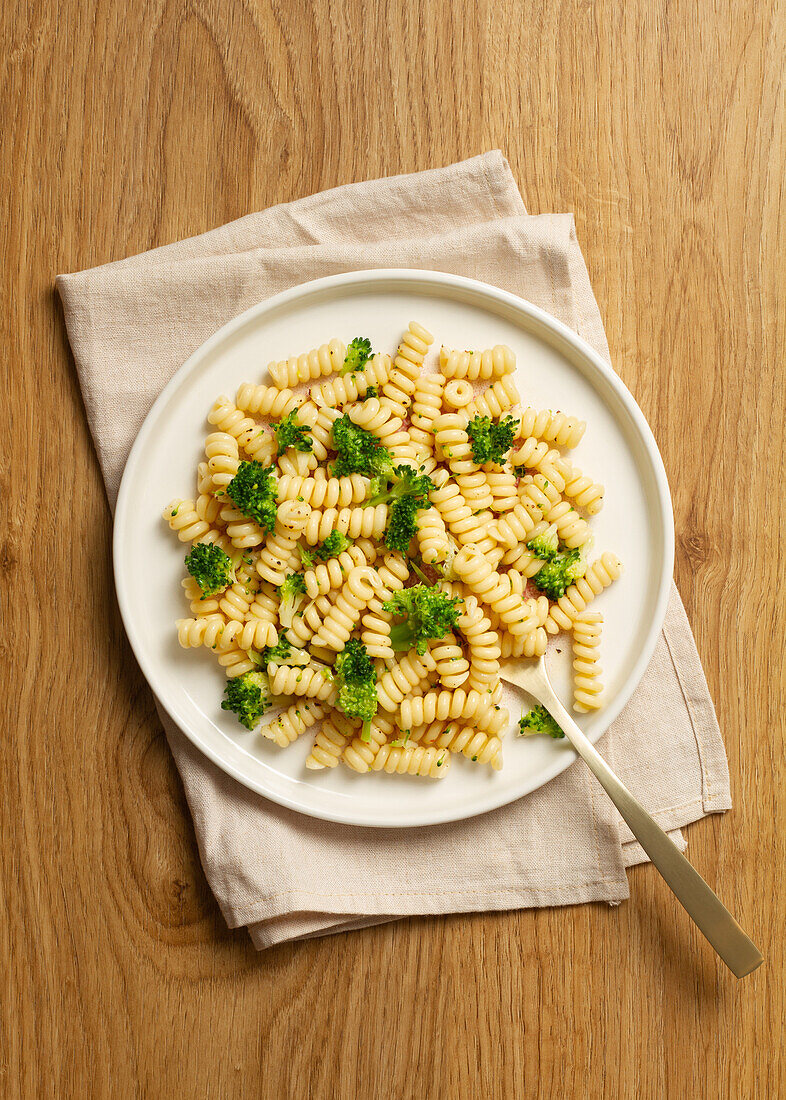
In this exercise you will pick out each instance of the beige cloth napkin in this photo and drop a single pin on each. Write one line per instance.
(133, 323)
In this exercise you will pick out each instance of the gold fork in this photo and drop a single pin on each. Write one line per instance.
(703, 906)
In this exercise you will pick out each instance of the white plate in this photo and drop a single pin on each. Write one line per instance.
(556, 370)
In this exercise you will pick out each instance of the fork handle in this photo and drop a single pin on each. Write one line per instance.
(703, 906)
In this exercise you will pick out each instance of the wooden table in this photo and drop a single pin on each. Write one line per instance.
(128, 125)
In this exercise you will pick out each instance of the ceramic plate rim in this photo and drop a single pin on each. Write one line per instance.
(480, 290)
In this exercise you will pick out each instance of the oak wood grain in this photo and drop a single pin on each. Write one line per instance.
(129, 125)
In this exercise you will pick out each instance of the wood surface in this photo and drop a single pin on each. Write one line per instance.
(129, 125)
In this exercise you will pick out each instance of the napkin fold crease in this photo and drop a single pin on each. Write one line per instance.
(132, 323)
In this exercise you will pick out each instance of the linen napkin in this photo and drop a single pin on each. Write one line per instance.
(131, 324)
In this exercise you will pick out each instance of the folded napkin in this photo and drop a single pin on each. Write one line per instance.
(133, 323)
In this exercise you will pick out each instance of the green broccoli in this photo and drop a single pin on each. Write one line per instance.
(357, 684)
(334, 544)
(358, 451)
(372, 391)
(545, 546)
(282, 653)
(406, 494)
(210, 567)
(291, 434)
(557, 575)
(248, 696)
(358, 354)
(428, 613)
(538, 720)
(253, 491)
(306, 557)
(292, 592)
(491, 441)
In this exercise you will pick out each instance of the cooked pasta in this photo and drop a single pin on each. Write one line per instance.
(300, 567)
(412, 760)
(587, 687)
(324, 360)
(289, 725)
(474, 365)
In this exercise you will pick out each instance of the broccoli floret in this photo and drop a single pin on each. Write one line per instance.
(372, 391)
(358, 451)
(428, 613)
(248, 696)
(538, 720)
(210, 567)
(491, 441)
(545, 546)
(306, 557)
(292, 592)
(291, 434)
(357, 681)
(334, 544)
(253, 491)
(557, 575)
(358, 354)
(405, 494)
(282, 653)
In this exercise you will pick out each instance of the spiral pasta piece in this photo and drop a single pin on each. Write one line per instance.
(531, 644)
(587, 686)
(206, 506)
(503, 489)
(483, 645)
(495, 590)
(330, 492)
(537, 496)
(199, 604)
(452, 442)
(417, 710)
(495, 400)
(316, 683)
(273, 561)
(356, 593)
(236, 662)
(565, 431)
(208, 631)
(426, 407)
(333, 737)
(538, 455)
(389, 429)
(376, 622)
(402, 679)
(223, 459)
(316, 363)
(367, 523)
(458, 394)
(477, 365)
(452, 665)
(291, 723)
(457, 515)
(334, 572)
(477, 746)
(266, 401)
(582, 490)
(182, 517)
(320, 420)
(359, 754)
(258, 443)
(433, 539)
(429, 762)
(352, 387)
(599, 575)
(236, 600)
(571, 528)
(397, 392)
(296, 464)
